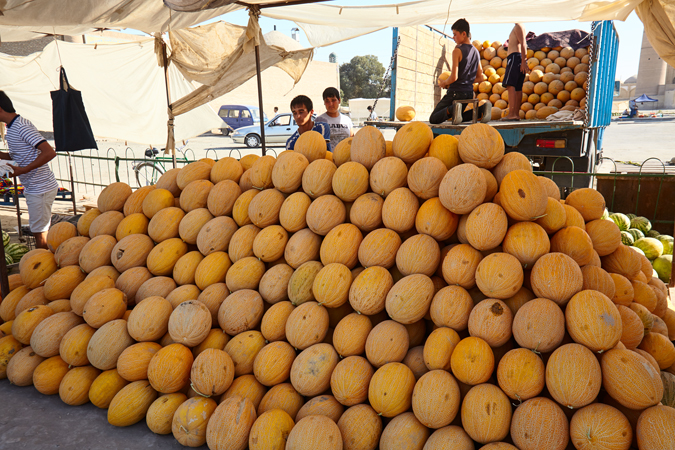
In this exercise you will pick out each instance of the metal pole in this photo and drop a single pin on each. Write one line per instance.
(165, 63)
(18, 209)
(4, 281)
(72, 184)
(260, 99)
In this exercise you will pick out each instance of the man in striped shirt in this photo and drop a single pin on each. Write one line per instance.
(31, 152)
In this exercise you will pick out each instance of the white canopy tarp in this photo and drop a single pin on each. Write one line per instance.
(122, 87)
(217, 57)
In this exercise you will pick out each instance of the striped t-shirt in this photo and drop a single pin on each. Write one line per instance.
(23, 139)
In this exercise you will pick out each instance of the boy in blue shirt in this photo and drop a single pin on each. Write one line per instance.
(302, 109)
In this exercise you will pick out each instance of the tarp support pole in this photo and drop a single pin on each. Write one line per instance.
(260, 99)
(165, 63)
(18, 208)
(4, 281)
(72, 184)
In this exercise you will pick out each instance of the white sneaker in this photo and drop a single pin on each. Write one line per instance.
(457, 113)
(486, 109)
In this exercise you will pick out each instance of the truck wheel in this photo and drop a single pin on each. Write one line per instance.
(252, 141)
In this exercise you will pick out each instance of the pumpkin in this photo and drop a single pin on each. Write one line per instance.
(630, 380)
(387, 342)
(390, 390)
(555, 216)
(539, 325)
(37, 267)
(84, 222)
(243, 349)
(491, 321)
(133, 224)
(367, 147)
(482, 145)
(22, 365)
(539, 423)
(593, 320)
(522, 197)
(68, 253)
(419, 254)
(424, 177)
(113, 197)
(404, 431)
(270, 430)
(25, 322)
(108, 343)
(573, 376)
(104, 306)
(273, 287)
(451, 307)
(165, 224)
(132, 364)
(521, 374)
(412, 141)
(379, 248)
(557, 277)
(106, 224)
(314, 432)
(282, 396)
(73, 345)
(60, 233)
(462, 189)
(48, 375)
(434, 220)
(96, 253)
(160, 414)
(75, 385)
(399, 210)
(605, 235)
(486, 413)
(240, 311)
(360, 427)
(409, 299)
(527, 241)
(169, 368)
(215, 236)
(589, 202)
(293, 212)
(366, 212)
(600, 424)
(318, 178)
(575, 243)
(499, 275)
(472, 361)
(325, 213)
(460, 264)
(131, 404)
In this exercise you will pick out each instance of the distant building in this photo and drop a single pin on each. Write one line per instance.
(655, 78)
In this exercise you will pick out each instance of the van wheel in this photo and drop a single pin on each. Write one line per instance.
(225, 131)
(252, 141)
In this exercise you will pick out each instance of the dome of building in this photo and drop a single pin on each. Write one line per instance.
(630, 80)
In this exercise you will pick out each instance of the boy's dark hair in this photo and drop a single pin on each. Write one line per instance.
(6, 103)
(462, 25)
(331, 92)
(369, 108)
(302, 100)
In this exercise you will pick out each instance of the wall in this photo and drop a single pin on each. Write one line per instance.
(278, 88)
(421, 57)
(652, 74)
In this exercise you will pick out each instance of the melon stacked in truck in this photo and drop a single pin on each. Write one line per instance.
(426, 293)
(558, 79)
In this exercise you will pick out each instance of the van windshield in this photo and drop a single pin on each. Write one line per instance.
(256, 114)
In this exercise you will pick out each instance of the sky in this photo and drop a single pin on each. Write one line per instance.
(380, 43)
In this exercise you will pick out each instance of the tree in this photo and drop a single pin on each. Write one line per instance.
(362, 78)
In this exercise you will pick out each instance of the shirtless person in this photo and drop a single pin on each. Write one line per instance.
(516, 68)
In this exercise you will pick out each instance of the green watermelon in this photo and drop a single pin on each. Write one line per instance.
(627, 238)
(621, 221)
(5, 238)
(664, 267)
(16, 251)
(631, 216)
(639, 250)
(605, 215)
(8, 259)
(641, 223)
(667, 242)
(637, 234)
(653, 234)
(652, 248)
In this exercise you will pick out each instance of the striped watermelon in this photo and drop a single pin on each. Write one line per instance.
(627, 238)
(652, 248)
(16, 251)
(637, 234)
(653, 234)
(621, 221)
(631, 216)
(641, 223)
(8, 259)
(5, 238)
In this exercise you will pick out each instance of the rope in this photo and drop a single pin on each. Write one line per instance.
(387, 74)
(447, 18)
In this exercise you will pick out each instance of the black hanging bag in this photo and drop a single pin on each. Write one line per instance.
(72, 130)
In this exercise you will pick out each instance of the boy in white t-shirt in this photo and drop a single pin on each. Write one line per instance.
(341, 126)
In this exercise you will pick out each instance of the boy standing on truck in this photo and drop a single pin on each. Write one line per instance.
(466, 70)
(516, 68)
(303, 110)
(341, 126)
